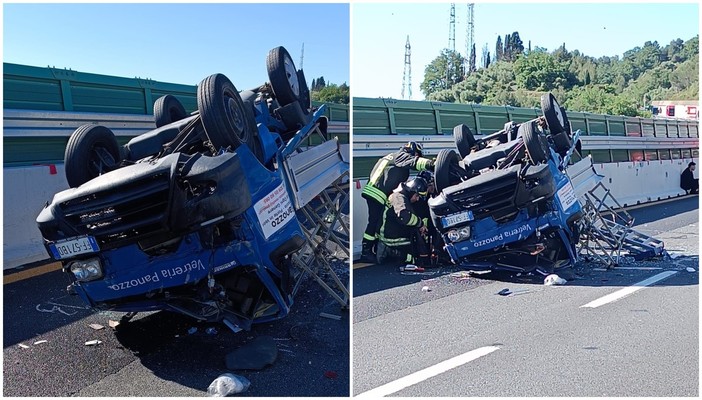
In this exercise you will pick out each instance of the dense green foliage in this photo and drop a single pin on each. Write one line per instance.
(608, 85)
(329, 92)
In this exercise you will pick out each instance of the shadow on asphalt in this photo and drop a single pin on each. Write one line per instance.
(644, 215)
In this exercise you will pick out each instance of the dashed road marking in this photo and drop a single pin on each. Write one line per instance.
(422, 375)
(629, 290)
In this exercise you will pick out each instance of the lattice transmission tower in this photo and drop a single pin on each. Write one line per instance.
(407, 75)
(470, 38)
(302, 54)
(452, 28)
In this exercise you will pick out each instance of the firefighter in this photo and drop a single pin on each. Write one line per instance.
(402, 230)
(386, 175)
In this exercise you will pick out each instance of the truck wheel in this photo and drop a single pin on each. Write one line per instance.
(561, 142)
(305, 99)
(554, 114)
(223, 114)
(536, 144)
(92, 150)
(464, 139)
(283, 76)
(168, 109)
(446, 164)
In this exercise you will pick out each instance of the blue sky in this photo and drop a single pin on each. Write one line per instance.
(179, 43)
(595, 29)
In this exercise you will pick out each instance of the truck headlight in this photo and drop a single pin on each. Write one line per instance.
(458, 235)
(86, 270)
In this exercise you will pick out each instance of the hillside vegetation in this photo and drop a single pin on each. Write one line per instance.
(607, 85)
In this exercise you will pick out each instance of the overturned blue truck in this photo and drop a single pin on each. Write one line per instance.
(200, 215)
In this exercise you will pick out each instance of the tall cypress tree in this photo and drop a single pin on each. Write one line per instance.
(471, 63)
(498, 49)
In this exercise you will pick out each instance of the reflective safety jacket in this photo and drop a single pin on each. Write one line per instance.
(399, 220)
(390, 171)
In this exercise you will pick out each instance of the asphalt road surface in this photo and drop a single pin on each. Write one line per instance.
(154, 355)
(630, 331)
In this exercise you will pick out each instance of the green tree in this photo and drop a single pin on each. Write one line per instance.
(499, 49)
(443, 72)
(332, 93)
(471, 63)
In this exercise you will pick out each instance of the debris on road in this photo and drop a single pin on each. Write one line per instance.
(40, 342)
(231, 326)
(426, 289)
(411, 267)
(24, 346)
(330, 316)
(113, 324)
(93, 342)
(257, 354)
(504, 292)
(690, 269)
(192, 330)
(96, 327)
(227, 384)
(211, 330)
(554, 279)
(331, 374)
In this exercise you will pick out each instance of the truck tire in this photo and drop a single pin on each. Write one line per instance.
(283, 76)
(446, 161)
(223, 114)
(168, 109)
(554, 114)
(464, 139)
(537, 148)
(305, 98)
(92, 150)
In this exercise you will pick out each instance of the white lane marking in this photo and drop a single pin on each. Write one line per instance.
(419, 376)
(629, 268)
(629, 290)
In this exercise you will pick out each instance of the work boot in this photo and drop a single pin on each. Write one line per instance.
(367, 254)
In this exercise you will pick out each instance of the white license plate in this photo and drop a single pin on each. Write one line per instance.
(73, 247)
(455, 219)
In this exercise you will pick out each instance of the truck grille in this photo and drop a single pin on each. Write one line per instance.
(130, 211)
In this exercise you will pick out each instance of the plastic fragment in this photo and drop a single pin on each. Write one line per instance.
(24, 346)
(227, 384)
(426, 289)
(40, 341)
(554, 279)
(192, 330)
(690, 269)
(211, 330)
(113, 324)
(97, 327)
(93, 342)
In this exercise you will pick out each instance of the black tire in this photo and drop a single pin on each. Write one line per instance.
(223, 114)
(91, 151)
(305, 98)
(561, 142)
(168, 109)
(536, 144)
(554, 114)
(446, 161)
(283, 76)
(464, 139)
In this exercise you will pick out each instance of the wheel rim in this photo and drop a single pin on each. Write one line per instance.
(559, 114)
(100, 161)
(235, 115)
(291, 75)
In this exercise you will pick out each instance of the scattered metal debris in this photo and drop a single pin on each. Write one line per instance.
(235, 328)
(504, 292)
(24, 346)
(211, 330)
(97, 327)
(40, 342)
(330, 316)
(93, 342)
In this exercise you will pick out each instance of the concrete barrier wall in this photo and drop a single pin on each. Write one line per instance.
(26, 190)
(630, 183)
